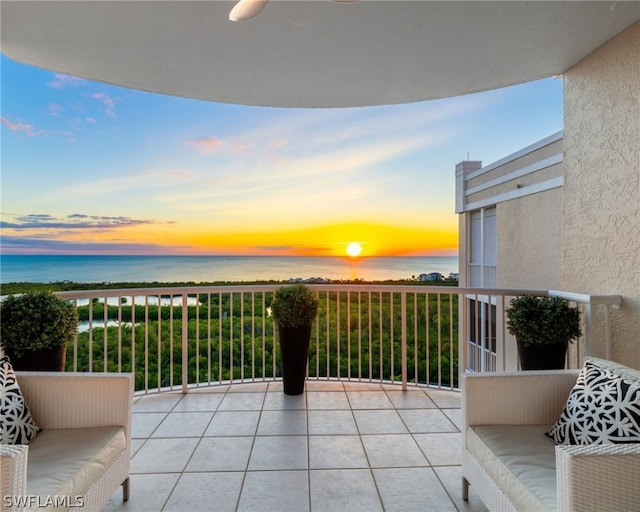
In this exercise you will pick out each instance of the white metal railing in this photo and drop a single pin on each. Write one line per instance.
(489, 347)
(179, 338)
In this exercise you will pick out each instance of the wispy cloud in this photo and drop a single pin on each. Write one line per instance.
(25, 128)
(30, 131)
(54, 109)
(107, 101)
(61, 80)
(41, 245)
(74, 221)
(207, 144)
(143, 182)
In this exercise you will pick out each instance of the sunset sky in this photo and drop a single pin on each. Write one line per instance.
(89, 168)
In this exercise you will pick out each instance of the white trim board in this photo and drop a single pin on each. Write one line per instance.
(529, 149)
(516, 193)
(518, 173)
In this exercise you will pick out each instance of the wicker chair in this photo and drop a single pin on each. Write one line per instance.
(587, 478)
(72, 401)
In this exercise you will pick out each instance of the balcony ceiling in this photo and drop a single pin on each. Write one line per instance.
(311, 53)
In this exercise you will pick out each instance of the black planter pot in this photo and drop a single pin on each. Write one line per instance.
(43, 360)
(542, 356)
(294, 355)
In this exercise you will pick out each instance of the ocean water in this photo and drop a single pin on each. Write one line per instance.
(200, 269)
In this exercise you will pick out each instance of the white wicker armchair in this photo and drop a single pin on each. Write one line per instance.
(72, 401)
(588, 478)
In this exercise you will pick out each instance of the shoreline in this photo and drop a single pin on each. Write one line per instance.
(60, 286)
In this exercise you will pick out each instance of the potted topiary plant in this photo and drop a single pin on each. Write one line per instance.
(543, 327)
(35, 328)
(294, 308)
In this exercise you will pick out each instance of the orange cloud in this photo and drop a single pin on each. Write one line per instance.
(206, 144)
(327, 240)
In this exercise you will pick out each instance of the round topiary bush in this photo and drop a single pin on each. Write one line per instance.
(543, 320)
(294, 306)
(36, 320)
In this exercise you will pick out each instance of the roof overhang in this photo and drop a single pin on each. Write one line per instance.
(311, 53)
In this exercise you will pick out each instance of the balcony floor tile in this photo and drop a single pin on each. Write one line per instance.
(222, 492)
(328, 400)
(339, 446)
(269, 491)
(279, 452)
(166, 455)
(183, 424)
(393, 451)
(340, 490)
(233, 423)
(404, 489)
(221, 454)
(331, 422)
(331, 452)
(379, 422)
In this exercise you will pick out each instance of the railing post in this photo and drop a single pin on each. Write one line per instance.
(607, 334)
(185, 343)
(588, 330)
(403, 337)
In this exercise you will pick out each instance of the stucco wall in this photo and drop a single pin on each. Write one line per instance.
(531, 261)
(601, 217)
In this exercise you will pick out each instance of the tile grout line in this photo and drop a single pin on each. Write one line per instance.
(253, 443)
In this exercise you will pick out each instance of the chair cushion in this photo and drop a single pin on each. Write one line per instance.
(520, 460)
(603, 406)
(66, 462)
(16, 424)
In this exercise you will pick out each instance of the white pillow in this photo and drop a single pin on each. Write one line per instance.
(16, 424)
(603, 406)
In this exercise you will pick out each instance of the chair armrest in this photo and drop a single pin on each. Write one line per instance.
(515, 398)
(13, 479)
(598, 477)
(76, 400)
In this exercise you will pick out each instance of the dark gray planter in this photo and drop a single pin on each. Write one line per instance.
(43, 360)
(294, 356)
(542, 356)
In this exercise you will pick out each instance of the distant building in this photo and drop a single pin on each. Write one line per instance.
(310, 280)
(433, 276)
(454, 276)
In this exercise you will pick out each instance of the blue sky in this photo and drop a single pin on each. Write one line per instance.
(92, 168)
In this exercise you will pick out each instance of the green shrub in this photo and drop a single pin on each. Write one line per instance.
(36, 320)
(294, 306)
(543, 320)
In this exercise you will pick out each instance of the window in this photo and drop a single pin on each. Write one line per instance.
(482, 248)
(482, 336)
(481, 316)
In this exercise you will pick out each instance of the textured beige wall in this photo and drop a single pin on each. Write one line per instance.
(601, 218)
(531, 261)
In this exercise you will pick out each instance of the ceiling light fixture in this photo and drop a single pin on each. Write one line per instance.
(247, 9)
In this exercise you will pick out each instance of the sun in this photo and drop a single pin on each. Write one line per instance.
(354, 249)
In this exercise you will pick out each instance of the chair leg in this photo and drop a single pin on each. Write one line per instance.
(125, 490)
(465, 489)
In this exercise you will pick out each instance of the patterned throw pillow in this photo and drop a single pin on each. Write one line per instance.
(603, 408)
(16, 424)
